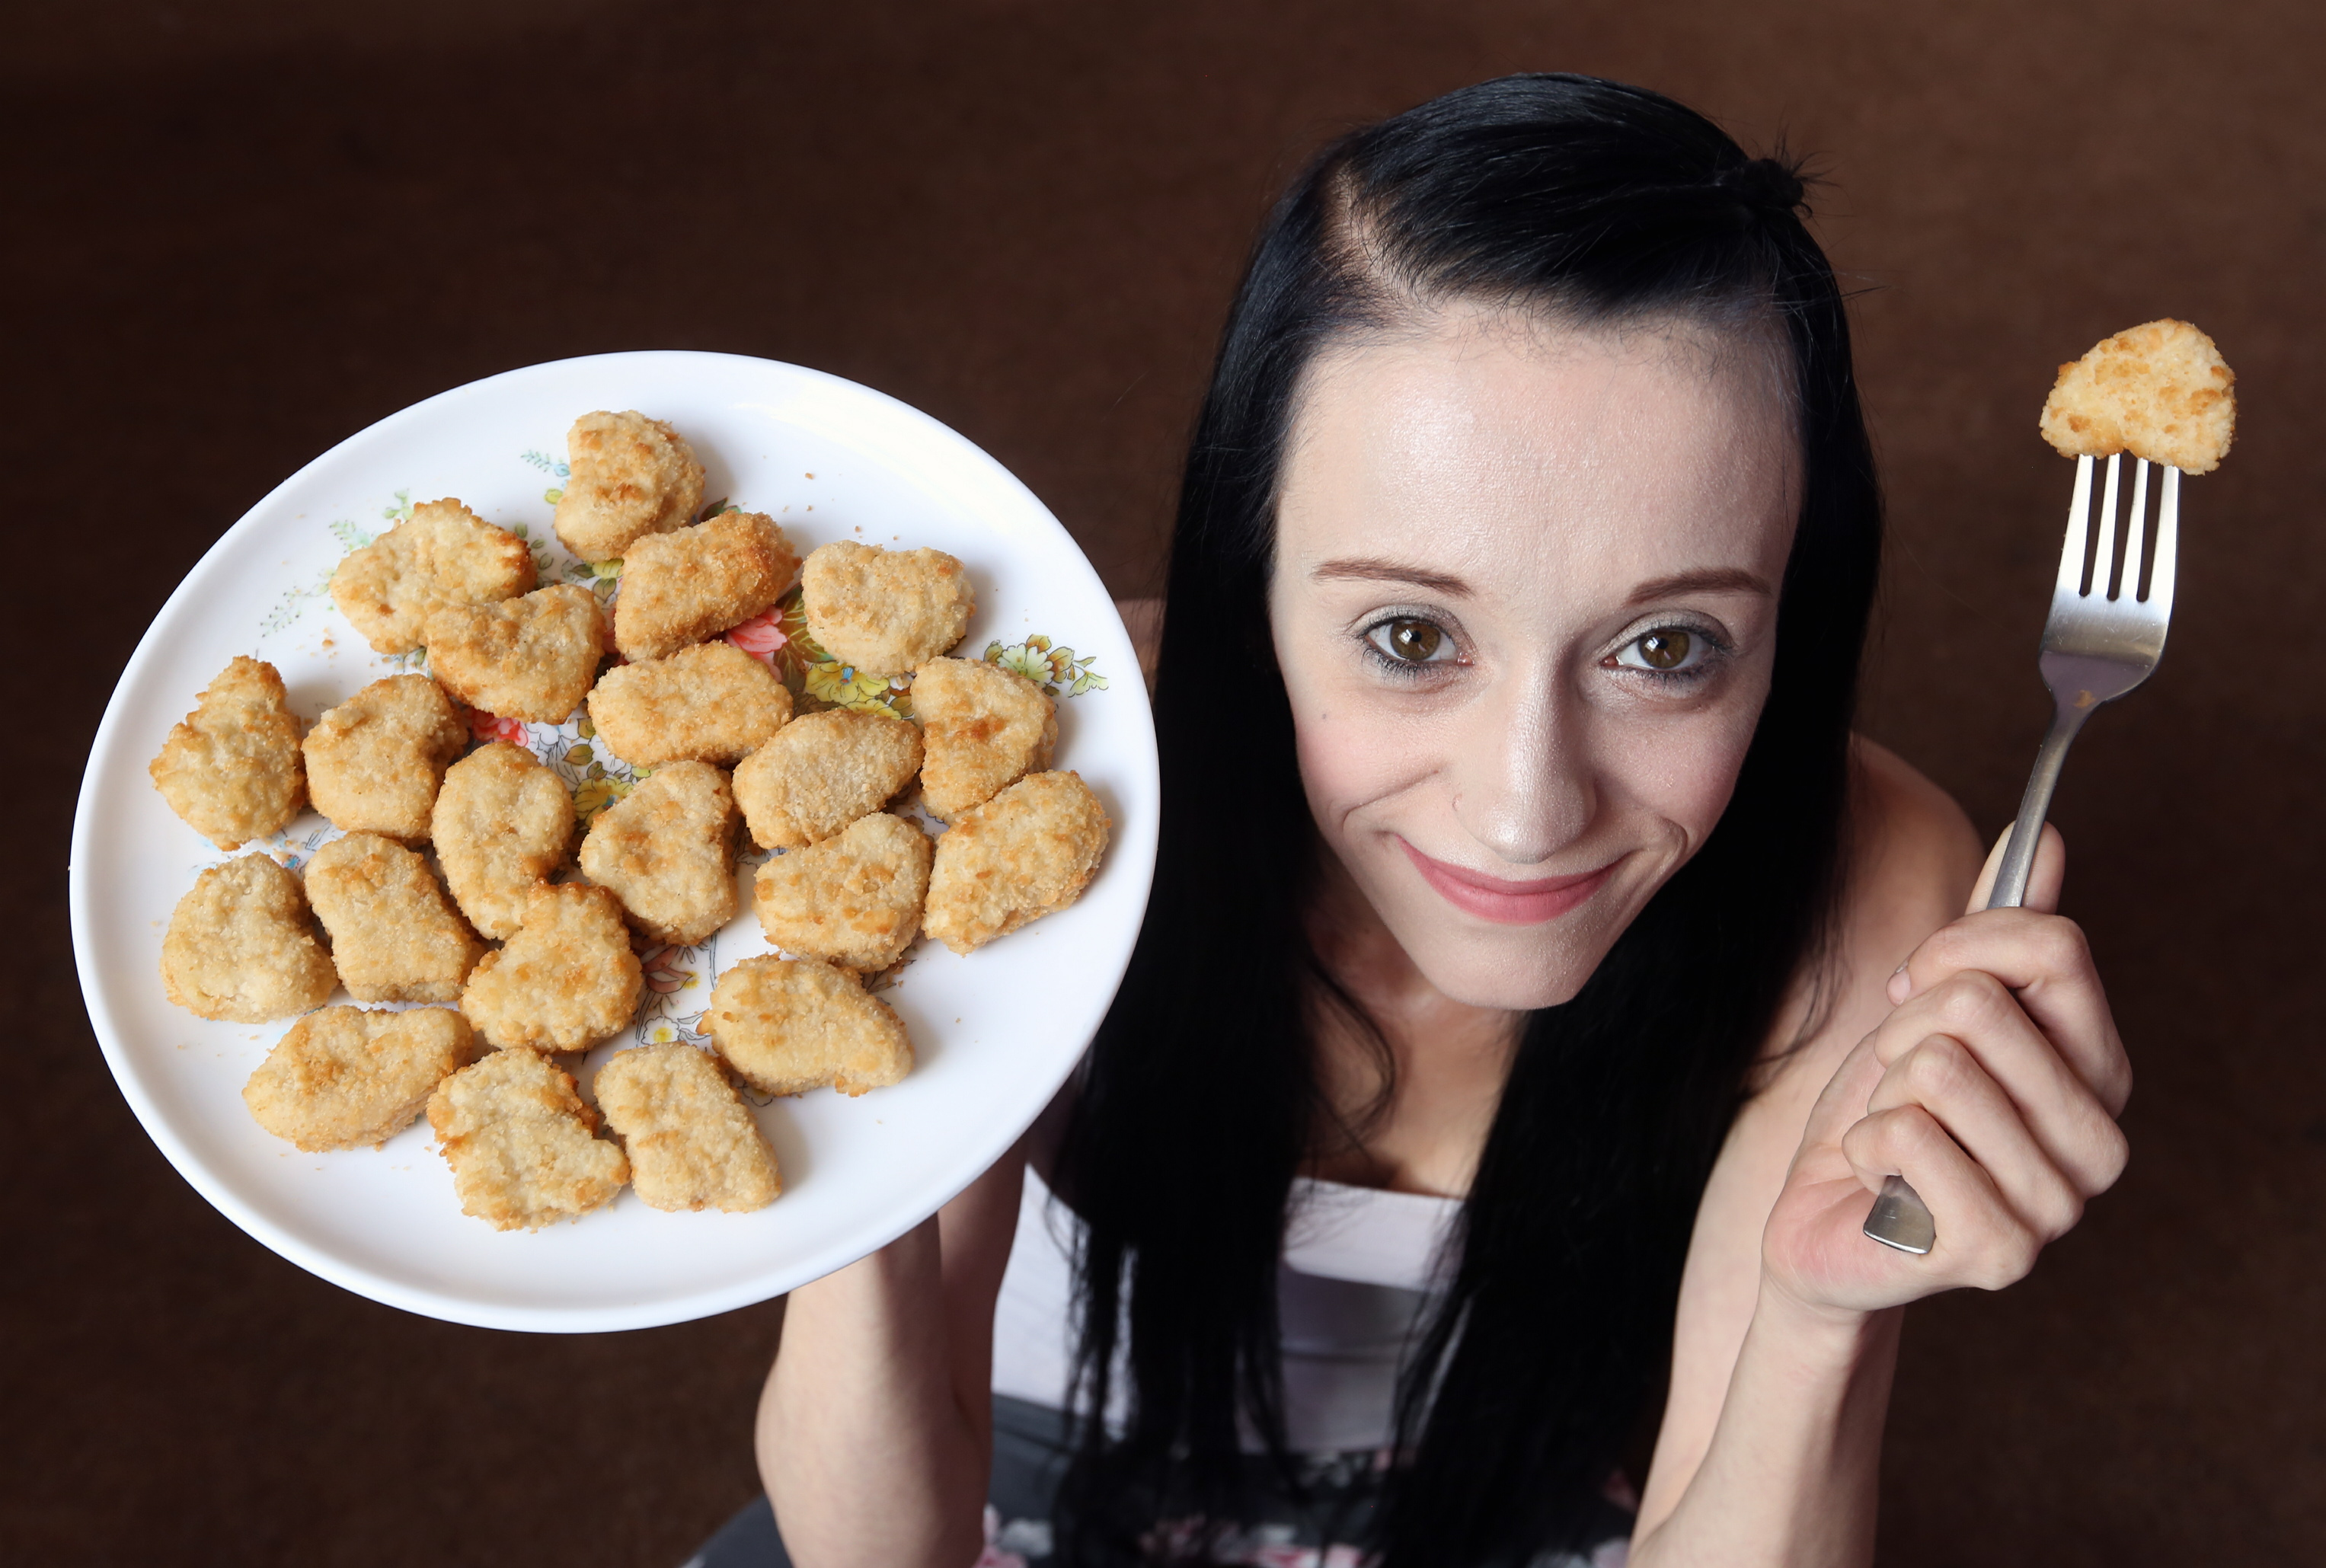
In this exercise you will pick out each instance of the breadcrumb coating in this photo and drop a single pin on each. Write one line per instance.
(787, 1026)
(822, 772)
(628, 476)
(395, 936)
(566, 980)
(682, 587)
(985, 729)
(241, 946)
(691, 1142)
(502, 824)
(374, 762)
(667, 851)
(1028, 852)
(347, 1076)
(443, 554)
(2159, 391)
(521, 1143)
(854, 899)
(232, 767)
(884, 610)
(530, 658)
(711, 703)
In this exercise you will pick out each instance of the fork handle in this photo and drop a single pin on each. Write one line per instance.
(1899, 1217)
(2010, 889)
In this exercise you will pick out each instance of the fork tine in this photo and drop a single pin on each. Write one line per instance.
(2079, 510)
(2129, 587)
(2168, 539)
(2104, 554)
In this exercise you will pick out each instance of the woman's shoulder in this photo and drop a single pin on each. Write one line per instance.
(1914, 854)
(1913, 858)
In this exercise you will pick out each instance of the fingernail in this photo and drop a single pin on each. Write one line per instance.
(1902, 985)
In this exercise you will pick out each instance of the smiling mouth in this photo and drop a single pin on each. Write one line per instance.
(1508, 903)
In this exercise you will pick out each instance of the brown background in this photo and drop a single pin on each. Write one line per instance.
(238, 232)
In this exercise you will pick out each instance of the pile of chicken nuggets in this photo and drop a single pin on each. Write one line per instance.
(456, 882)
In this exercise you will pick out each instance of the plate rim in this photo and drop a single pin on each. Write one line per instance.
(443, 1306)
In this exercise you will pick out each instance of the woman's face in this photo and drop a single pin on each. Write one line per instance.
(1525, 601)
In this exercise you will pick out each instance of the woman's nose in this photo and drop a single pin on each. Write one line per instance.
(1521, 788)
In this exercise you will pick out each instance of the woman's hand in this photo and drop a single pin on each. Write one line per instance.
(1992, 1088)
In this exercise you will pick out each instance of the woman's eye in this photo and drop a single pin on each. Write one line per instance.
(1667, 650)
(1409, 640)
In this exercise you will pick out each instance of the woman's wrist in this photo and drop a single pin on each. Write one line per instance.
(1820, 1333)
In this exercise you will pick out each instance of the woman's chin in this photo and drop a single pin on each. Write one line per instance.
(1517, 981)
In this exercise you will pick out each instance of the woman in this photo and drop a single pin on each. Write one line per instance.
(1539, 980)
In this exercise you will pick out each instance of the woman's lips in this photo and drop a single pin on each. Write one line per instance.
(1507, 903)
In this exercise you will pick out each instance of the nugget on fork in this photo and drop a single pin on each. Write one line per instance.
(711, 703)
(395, 936)
(567, 979)
(823, 772)
(628, 476)
(503, 823)
(241, 946)
(667, 851)
(232, 767)
(692, 1141)
(521, 1143)
(529, 658)
(682, 587)
(348, 1076)
(788, 1026)
(374, 763)
(443, 554)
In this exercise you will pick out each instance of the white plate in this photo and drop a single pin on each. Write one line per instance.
(995, 1033)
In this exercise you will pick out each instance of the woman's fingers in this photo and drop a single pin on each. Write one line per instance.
(1982, 1239)
(2046, 876)
(1943, 1077)
(1984, 1024)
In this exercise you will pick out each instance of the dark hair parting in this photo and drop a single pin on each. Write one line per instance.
(1593, 202)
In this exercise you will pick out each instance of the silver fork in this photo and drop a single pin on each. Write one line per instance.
(2100, 643)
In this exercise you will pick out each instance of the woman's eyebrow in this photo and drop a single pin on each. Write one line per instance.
(1722, 579)
(1371, 569)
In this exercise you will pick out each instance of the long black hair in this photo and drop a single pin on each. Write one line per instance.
(1595, 204)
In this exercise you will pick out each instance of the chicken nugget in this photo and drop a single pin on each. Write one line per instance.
(443, 554)
(374, 762)
(521, 1143)
(241, 946)
(884, 610)
(232, 767)
(854, 899)
(395, 936)
(985, 729)
(1028, 852)
(628, 477)
(2160, 391)
(347, 1076)
(529, 658)
(682, 587)
(667, 851)
(565, 981)
(691, 1143)
(788, 1026)
(822, 773)
(503, 822)
(712, 703)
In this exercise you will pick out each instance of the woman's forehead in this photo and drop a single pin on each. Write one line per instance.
(1493, 442)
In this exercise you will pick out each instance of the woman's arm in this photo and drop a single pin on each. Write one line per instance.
(1987, 1072)
(876, 1427)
